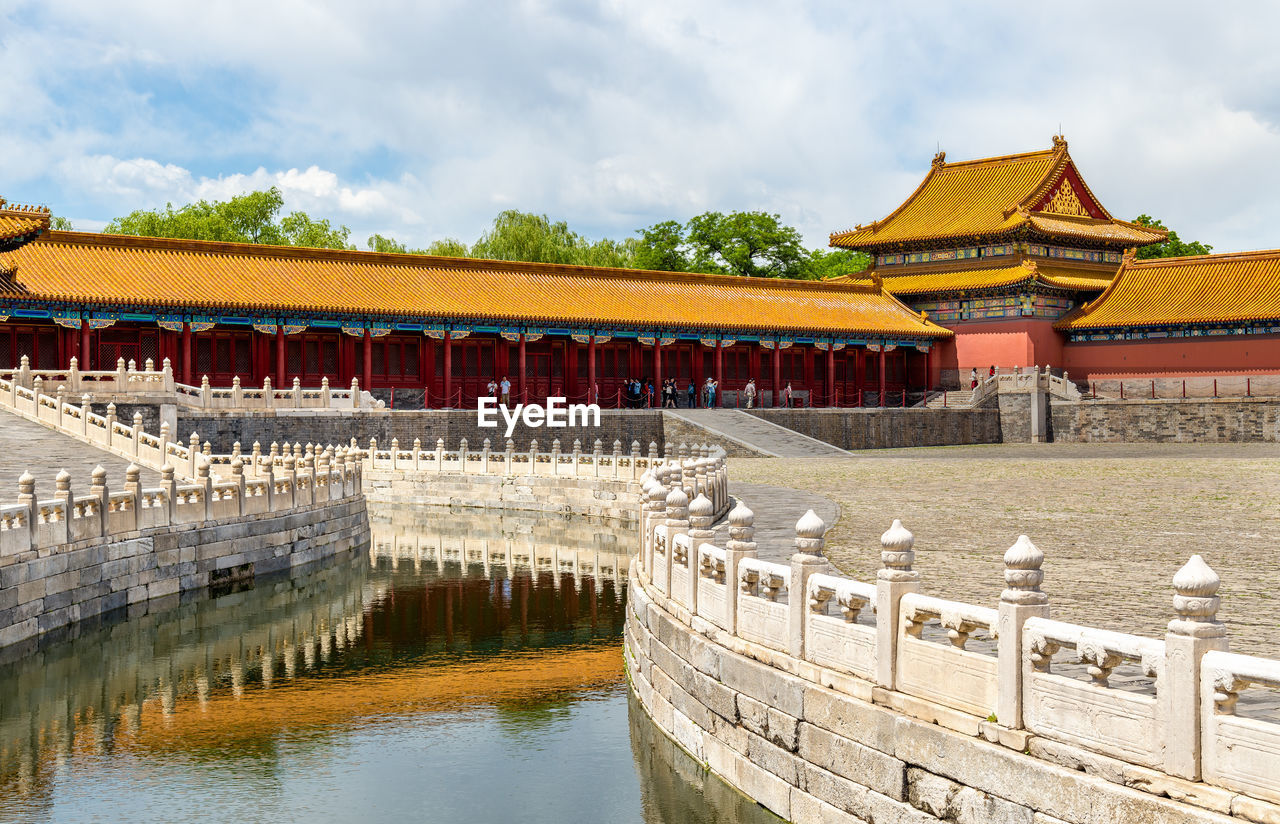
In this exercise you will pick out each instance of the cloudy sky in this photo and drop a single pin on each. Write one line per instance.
(424, 119)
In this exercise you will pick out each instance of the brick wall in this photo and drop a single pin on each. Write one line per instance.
(890, 428)
(1238, 420)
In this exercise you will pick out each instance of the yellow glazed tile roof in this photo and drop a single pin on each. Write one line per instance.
(964, 279)
(19, 224)
(995, 196)
(1205, 289)
(81, 267)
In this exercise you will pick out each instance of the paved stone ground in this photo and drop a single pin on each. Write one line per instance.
(777, 509)
(25, 445)
(764, 436)
(1115, 522)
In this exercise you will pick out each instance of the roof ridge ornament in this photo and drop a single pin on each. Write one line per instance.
(1060, 142)
(940, 159)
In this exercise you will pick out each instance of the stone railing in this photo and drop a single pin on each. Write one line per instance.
(704, 464)
(1162, 715)
(1023, 379)
(67, 518)
(158, 386)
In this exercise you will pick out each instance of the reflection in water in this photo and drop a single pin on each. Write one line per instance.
(465, 666)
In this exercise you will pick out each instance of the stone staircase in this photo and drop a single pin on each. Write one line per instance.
(28, 446)
(745, 435)
(961, 398)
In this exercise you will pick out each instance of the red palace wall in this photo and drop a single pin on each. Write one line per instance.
(1180, 357)
(1005, 343)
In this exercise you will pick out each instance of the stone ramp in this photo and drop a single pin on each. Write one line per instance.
(753, 434)
(28, 446)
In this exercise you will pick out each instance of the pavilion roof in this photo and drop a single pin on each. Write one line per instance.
(20, 224)
(1204, 289)
(76, 267)
(910, 282)
(994, 197)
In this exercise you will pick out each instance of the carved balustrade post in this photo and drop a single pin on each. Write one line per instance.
(193, 453)
(237, 475)
(269, 474)
(555, 457)
(73, 374)
(677, 524)
(635, 460)
(596, 454)
(895, 579)
(1194, 632)
(807, 560)
(137, 432)
(98, 491)
(1021, 599)
(655, 505)
(166, 372)
(85, 401)
(167, 484)
(62, 492)
(133, 486)
(701, 516)
(289, 476)
(740, 545)
(206, 486)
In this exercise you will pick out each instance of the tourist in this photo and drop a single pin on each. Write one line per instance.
(505, 388)
(648, 393)
(786, 396)
(492, 389)
(991, 373)
(669, 393)
(692, 395)
(750, 392)
(973, 378)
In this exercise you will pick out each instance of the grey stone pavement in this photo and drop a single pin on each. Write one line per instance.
(27, 446)
(761, 435)
(777, 508)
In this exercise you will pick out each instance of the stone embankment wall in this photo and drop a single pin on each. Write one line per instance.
(222, 429)
(1234, 420)
(890, 428)
(47, 589)
(597, 498)
(814, 745)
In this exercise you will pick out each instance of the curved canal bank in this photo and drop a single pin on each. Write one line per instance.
(468, 665)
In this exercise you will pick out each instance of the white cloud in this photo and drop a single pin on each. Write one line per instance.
(423, 120)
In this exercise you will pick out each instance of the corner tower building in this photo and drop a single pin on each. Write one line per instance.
(998, 250)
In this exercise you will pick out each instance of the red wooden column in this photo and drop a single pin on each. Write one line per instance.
(524, 396)
(591, 370)
(719, 373)
(777, 374)
(928, 370)
(85, 347)
(187, 364)
(448, 371)
(657, 372)
(882, 374)
(367, 370)
(280, 377)
(832, 397)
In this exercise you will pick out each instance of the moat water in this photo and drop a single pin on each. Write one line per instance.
(466, 667)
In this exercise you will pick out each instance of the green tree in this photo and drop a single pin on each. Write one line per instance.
(447, 247)
(389, 245)
(525, 236)
(662, 247)
(60, 224)
(1173, 246)
(751, 244)
(247, 218)
(826, 264)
